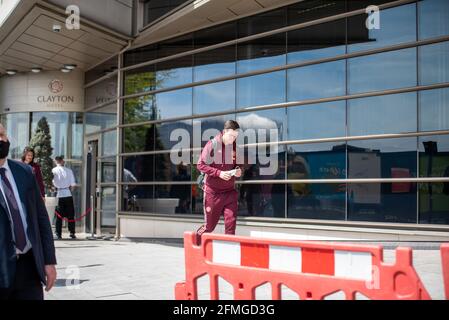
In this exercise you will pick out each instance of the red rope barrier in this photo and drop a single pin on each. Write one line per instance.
(75, 220)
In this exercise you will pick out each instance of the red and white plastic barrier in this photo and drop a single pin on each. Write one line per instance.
(313, 270)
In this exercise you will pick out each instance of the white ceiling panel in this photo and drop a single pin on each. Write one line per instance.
(33, 43)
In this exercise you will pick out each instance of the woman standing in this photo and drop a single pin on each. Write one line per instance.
(28, 158)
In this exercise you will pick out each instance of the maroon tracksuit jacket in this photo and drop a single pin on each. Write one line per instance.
(220, 196)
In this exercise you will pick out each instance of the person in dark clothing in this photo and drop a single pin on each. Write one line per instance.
(27, 251)
(182, 192)
(28, 158)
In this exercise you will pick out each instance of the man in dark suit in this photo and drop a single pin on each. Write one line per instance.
(27, 252)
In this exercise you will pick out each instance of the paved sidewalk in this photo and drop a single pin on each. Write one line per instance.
(150, 269)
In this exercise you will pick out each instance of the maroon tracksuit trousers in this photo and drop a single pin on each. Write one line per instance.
(216, 204)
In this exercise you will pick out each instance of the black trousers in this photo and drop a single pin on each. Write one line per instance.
(27, 284)
(66, 209)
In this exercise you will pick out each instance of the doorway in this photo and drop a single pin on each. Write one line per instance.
(100, 195)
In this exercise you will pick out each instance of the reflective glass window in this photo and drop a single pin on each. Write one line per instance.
(172, 199)
(317, 81)
(383, 158)
(18, 129)
(434, 110)
(216, 34)
(433, 18)
(138, 198)
(103, 118)
(140, 80)
(214, 64)
(434, 63)
(317, 42)
(382, 202)
(262, 89)
(173, 73)
(382, 71)
(261, 53)
(397, 25)
(382, 114)
(262, 200)
(263, 22)
(316, 201)
(323, 120)
(214, 97)
(316, 161)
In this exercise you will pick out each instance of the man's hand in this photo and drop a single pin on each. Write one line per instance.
(50, 272)
(238, 173)
(225, 175)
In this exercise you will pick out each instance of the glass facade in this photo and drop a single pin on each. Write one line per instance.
(66, 131)
(332, 98)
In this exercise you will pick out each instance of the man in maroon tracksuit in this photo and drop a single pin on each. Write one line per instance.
(221, 170)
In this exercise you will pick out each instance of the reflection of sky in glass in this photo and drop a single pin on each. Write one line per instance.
(214, 64)
(174, 103)
(317, 81)
(314, 54)
(434, 110)
(383, 114)
(397, 25)
(249, 65)
(264, 119)
(433, 18)
(442, 143)
(17, 128)
(434, 63)
(387, 145)
(324, 120)
(215, 70)
(96, 121)
(109, 143)
(388, 70)
(260, 90)
(304, 44)
(173, 77)
(214, 97)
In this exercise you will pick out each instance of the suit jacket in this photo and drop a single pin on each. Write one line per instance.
(39, 229)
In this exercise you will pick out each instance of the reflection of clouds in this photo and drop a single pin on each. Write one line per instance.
(254, 121)
(262, 89)
(214, 70)
(215, 97)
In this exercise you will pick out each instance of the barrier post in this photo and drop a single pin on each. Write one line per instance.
(445, 267)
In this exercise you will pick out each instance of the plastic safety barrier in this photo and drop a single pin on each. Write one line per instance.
(313, 270)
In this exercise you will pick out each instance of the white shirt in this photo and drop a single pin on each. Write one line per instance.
(12, 181)
(63, 179)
